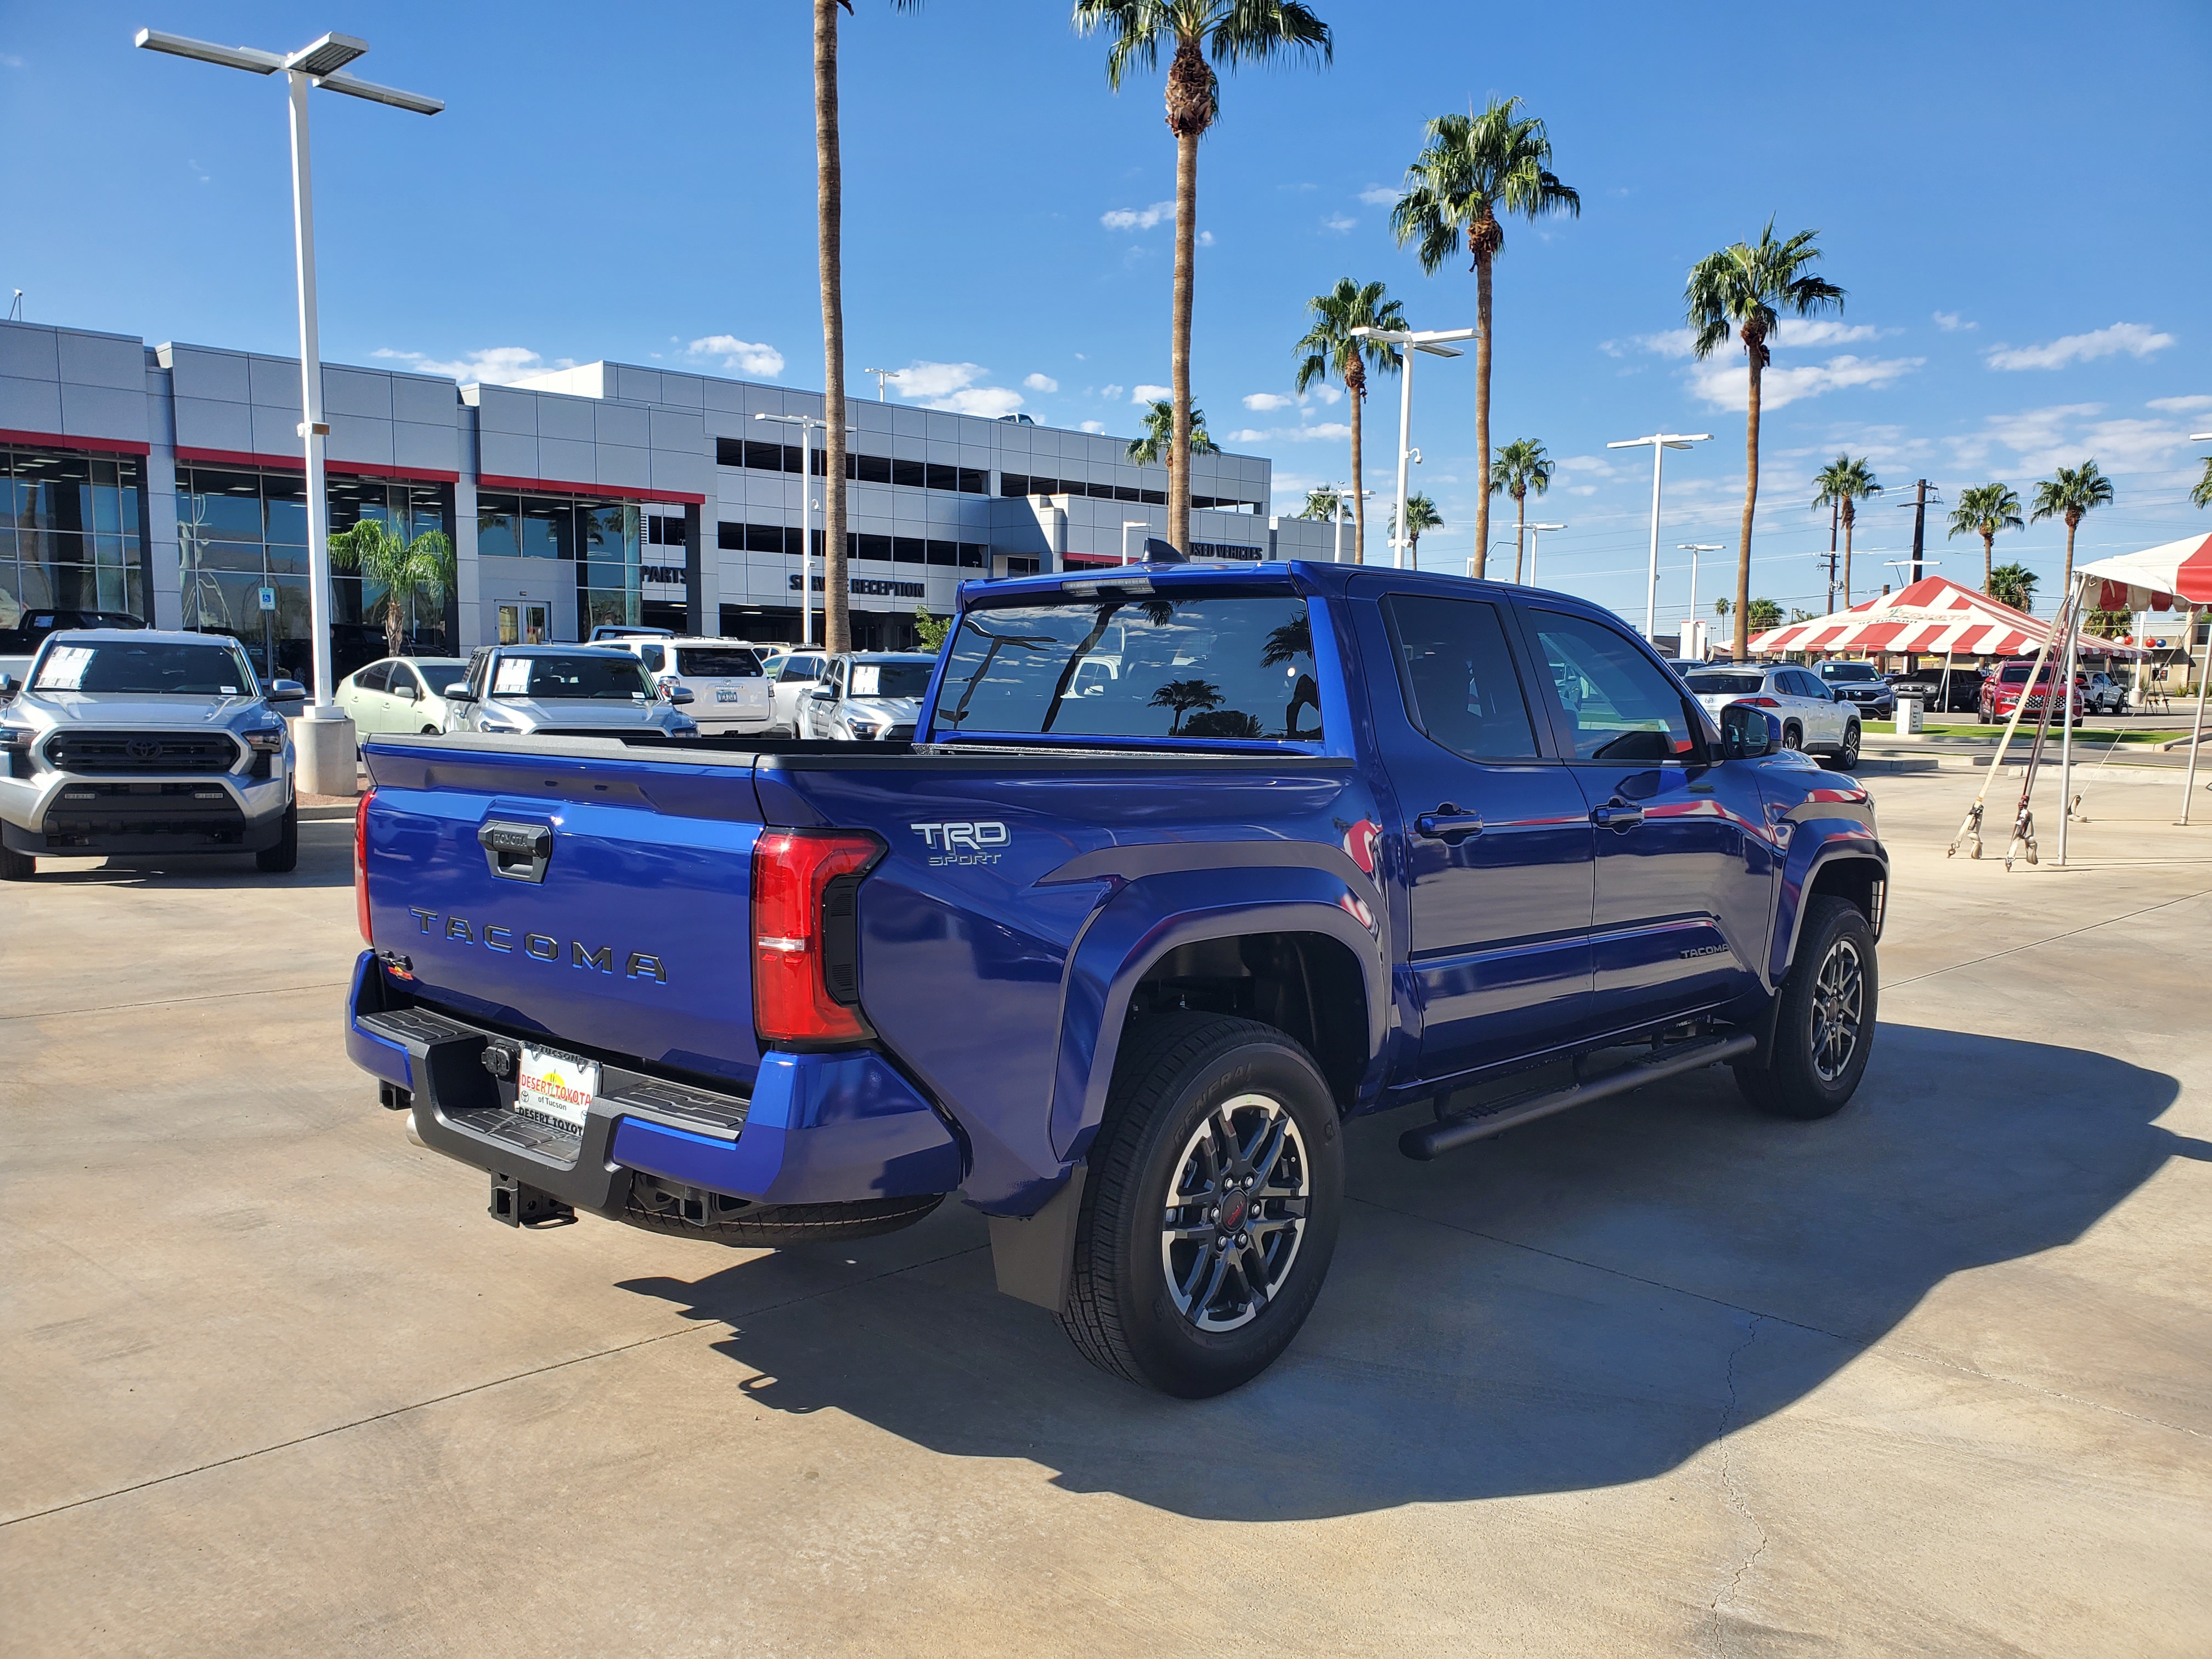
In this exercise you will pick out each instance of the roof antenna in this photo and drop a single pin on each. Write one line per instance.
(1162, 552)
(15, 311)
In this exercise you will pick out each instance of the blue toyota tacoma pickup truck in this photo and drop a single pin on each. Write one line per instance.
(1185, 866)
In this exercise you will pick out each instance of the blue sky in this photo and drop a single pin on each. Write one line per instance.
(2013, 196)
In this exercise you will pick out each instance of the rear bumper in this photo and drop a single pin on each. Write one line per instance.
(827, 1129)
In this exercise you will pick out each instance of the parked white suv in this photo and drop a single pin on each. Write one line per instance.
(144, 742)
(792, 678)
(1814, 719)
(730, 695)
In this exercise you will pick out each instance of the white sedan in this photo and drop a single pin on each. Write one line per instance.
(400, 694)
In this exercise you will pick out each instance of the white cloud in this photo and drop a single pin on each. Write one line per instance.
(1805, 331)
(1668, 342)
(1596, 464)
(1724, 384)
(1149, 394)
(493, 365)
(1206, 239)
(1040, 383)
(2137, 340)
(1332, 430)
(1327, 393)
(2180, 405)
(952, 386)
(1093, 427)
(1378, 195)
(741, 354)
(1339, 222)
(1262, 403)
(1110, 392)
(1248, 434)
(10, 60)
(1952, 323)
(1137, 218)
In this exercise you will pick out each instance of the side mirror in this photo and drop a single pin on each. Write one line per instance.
(412, 694)
(681, 694)
(449, 692)
(827, 694)
(459, 694)
(287, 691)
(7, 687)
(1748, 732)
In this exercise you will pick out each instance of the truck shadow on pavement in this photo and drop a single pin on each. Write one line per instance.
(1594, 1299)
(325, 861)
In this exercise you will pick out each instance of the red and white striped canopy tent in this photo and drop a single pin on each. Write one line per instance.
(2156, 579)
(1933, 617)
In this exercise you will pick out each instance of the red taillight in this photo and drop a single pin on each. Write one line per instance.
(1760, 702)
(360, 865)
(805, 988)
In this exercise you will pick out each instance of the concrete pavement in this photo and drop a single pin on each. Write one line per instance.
(1659, 1377)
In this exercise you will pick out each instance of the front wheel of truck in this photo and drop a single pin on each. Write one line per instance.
(1211, 1207)
(1824, 1026)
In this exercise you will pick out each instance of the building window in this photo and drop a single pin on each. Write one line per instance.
(869, 547)
(1013, 483)
(665, 532)
(907, 550)
(975, 555)
(499, 526)
(730, 537)
(69, 533)
(975, 481)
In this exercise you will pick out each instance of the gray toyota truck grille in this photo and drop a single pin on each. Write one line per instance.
(97, 753)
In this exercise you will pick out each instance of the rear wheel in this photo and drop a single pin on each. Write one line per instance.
(1211, 1207)
(1824, 1026)
(285, 854)
(16, 866)
(1847, 757)
(1792, 736)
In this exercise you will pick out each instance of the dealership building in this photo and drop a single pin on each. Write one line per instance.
(168, 480)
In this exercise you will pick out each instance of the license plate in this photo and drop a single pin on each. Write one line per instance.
(728, 693)
(555, 1085)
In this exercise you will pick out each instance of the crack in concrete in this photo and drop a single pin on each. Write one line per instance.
(1729, 1487)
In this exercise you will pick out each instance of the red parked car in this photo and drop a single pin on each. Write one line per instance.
(2001, 692)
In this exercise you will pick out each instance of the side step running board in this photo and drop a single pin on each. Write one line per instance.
(1449, 1134)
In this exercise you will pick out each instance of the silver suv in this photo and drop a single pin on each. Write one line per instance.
(143, 742)
(563, 690)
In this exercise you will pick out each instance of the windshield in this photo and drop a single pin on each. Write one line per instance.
(717, 663)
(1220, 666)
(1726, 686)
(155, 667)
(2015, 674)
(1847, 671)
(891, 679)
(551, 679)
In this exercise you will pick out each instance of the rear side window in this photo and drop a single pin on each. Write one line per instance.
(374, 677)
(1457, 677)
(717, 663)
(1204, 665)
(800, 668)
(1619, 704)
(650, 655)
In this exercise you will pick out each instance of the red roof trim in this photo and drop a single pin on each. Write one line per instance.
(65, 441)
(299, 464)
(563, 486)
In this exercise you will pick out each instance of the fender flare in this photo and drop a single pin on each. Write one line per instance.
(1141, 920)
(1818, 842)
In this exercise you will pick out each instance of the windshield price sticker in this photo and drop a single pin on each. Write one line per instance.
(555, 1086)
(513, 679)
(64, 668)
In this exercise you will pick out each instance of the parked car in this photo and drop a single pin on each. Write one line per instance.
(2101, 694)
(145, 741)
(401, 694)
(604, 633)
(1959, 692)
(1859, 684)
(2001, 692)
(730, 693)
(868, 697)
(1814, 719)
(567, 690)
(30, 631)
(1116, 967)
(792, 677)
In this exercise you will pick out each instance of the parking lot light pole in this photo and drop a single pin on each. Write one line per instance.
(1127, 525)
(1693, 549)
(1535, 538)
(319, 64)
(1661, 442)
(1434, 341)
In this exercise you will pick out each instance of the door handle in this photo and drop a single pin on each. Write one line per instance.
(1449, 824)
(1615, 816)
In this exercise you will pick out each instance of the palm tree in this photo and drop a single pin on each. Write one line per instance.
(2013, 585)
(1421, 516)
(1332, 348)
(1474, 168)
(1322, 504)
(2066, 495)
(1159, 440)
(1759, 616)
(1720, 609)
(404, 569)
(1983, 510)
(1747, 288)
(1843, 484)
(1521, 469)
(1229, 32)
(830, 255)
(2202, 493)
(1181, 696)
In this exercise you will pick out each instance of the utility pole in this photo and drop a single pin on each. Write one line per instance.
(1835, 523)
(1919, 523)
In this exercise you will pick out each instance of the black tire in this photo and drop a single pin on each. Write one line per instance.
(285, 854)
(1797, 1079)
(17, 866)
(1792, 736)
(1177, 1076)
(1848, 756)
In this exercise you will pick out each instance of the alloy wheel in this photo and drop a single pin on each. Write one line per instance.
(1235, 1213)
(1839, 1007)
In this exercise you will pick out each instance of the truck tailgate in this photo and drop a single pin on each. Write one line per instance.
(621, 924)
